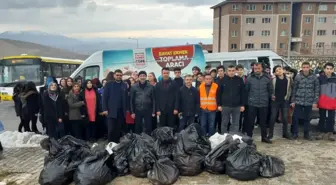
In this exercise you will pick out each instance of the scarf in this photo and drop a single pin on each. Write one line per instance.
(53, 95)
(24, 96)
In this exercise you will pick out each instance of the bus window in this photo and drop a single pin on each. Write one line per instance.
(226, 63)
(264, 60)
(56, 70)
(46, 69)
(214, 64)
(247, 64)
(73, 67)
(66, 70)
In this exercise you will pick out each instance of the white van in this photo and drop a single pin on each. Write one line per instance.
(244, 58)
(131, 61)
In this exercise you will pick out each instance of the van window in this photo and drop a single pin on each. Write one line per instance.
(279, 62)
(89, 72)
(226, 63)
(213, 64)
(247, 64)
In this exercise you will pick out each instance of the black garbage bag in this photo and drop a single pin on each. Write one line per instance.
(244, 164)
(164, 172)
(142, 155)
(72, 141)
(188, 164)
(271, 167)
(165, 135)
(193, 142)
(1, 151)
(121, 153)
(163, 150)
(58, 171)
(215, 160)
(94, 171)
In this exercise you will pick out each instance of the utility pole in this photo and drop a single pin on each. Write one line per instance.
(137, 41)
(290, 32)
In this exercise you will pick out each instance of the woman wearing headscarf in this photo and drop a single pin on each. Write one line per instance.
(92, 106)
(53, 111)
(30, 107)
(76, 111)
(43, 89)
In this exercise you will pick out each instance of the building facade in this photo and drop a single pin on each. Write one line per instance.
(307, 27)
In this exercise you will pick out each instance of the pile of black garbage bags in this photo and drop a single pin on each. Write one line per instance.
(161, 158)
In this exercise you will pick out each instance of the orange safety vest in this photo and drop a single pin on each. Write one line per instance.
(208, 102)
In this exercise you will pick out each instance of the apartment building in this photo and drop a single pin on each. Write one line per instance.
(307, 27)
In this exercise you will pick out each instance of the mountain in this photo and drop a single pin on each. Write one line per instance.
(14, 47)
(89, 46)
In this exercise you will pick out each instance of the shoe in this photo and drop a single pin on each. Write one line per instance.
(289, 137)
(308, 138)
(320, 136)
(331, 137)
(270, 137)
(294, 136)
(266, 140)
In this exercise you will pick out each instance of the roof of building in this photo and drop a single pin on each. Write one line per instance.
(271, 1)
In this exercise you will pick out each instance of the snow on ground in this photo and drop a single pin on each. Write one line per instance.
(14, 139)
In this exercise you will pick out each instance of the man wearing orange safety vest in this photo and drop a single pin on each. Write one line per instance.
(209, 93)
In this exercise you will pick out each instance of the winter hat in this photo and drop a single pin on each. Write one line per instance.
(142, 73)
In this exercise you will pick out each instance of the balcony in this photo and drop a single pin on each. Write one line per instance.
(296, 39)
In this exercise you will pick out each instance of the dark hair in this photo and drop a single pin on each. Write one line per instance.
(86, 82)
(200, 74)
(328, 64)
(259, 63)
(213, 71)
(155, 79)
(18, 88)
(118, 71)
(110, 76)
(239, 66)
(177, 69)
(207, 67)
(128, 82)
(220, 67)
(231, 66)
(196, 68)
(30, 86)
(65, 79)
(276, 67)
(165, 69)
(78, 78)
(305, 64)
(207, 74)
(287, 68)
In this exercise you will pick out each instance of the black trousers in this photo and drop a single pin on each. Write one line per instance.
(283, 107)
(143, 121)
(21, 124)
(78, 127)
(154, 123)
(326, 124)
(253, 112)
(218, 121)
(167, 119)
(244, 120)
(114, 126)
(91, 128)
(26, 123)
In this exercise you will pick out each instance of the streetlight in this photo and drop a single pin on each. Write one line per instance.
(137, 40)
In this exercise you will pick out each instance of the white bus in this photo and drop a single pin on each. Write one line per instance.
(24, 68)
(244, 58)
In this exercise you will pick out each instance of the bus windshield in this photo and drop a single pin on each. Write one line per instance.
(18, 70)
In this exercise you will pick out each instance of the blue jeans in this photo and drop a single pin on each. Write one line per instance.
(301, 112)
(208, 122)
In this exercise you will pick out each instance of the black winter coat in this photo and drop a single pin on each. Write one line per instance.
(52, 110)
(142, 99)
(165, 96)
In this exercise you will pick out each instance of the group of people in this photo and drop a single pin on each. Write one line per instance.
(220, 100)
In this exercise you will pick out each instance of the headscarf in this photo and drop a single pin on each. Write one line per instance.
(49, 80)
(53, 94)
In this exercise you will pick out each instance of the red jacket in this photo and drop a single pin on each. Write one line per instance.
(327, 99)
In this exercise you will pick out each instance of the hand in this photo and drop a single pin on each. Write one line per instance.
(158, 113)
(60, 120)
(220, 108)
(105, 113)
(273, 98)
(83, 102)
(153, 115)
(293, 105)
(133, 116)
(314, 105)
(242, 109)
(83, 116)
(101, 114)
(175, 112)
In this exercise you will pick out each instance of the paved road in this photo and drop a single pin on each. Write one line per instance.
(311, 163)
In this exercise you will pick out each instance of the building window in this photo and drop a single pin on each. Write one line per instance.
(235, 7)
(310, 7)
(321, 32)
(249, 46)
(334, 32)
(267, 7)
(250, 33)
(250, 20)
(233, 46)
(322, 19)
(265, 33)
(307, 32)
(266, 20)
(334, 20)
(234, 33)
(335, 7)
(283, 20)
(323, 7)
(251, 7)
(333, 44)
(284, 7)
(234, 20)
(320, 44)
(282, 45)
(308, 19)
(265, 46)
(306, 45)
(283, 33)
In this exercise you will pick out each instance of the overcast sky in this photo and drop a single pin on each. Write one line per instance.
(110, 18)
